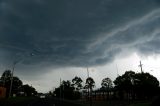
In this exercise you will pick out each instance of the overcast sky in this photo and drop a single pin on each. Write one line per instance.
(53, 39)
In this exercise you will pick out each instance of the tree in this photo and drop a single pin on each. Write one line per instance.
(125, 84)
(29, 90)
(106, 85)
(5, 78)
(146, 85)
(6, 82)
(65, 90)
(17, 85)
(136, 85)
(77, 83)
(90, 83)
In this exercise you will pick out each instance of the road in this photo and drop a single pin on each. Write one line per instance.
(57, 102)
(52, 102)
(39, 102)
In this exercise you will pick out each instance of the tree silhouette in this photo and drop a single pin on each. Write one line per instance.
(6, 82)
(77, 83)
(66, 91)
(136, 85)
(90, 83)
(146, 85)
(29, 90)
(5, 78)
(106, 85)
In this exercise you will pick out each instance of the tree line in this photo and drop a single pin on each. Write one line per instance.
(18, 88)
(129, 86)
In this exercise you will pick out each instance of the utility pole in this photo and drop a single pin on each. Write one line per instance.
(141, 66)
(60, 89)
(89, 90)
(10, 90)
(87, 72)
(13, 69)
(88, 85)
(117, 71)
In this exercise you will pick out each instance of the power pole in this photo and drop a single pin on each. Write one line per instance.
(10, 90)
(117, 71)
(87, 72)
(141, 67)
(88, 85)
(60, 89)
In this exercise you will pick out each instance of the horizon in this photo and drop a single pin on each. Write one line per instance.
(49, 39)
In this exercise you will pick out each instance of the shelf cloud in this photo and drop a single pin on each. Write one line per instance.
(77, 33)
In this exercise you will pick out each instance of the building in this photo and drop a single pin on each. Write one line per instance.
(2, 92)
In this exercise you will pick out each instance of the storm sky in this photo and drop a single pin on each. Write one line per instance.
(51, 36)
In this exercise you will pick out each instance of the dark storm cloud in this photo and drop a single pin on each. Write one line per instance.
(76, 32)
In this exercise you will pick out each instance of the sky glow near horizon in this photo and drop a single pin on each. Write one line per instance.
(53, 39)
(111, 70)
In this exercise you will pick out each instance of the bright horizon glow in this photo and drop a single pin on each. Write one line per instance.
(50, 81)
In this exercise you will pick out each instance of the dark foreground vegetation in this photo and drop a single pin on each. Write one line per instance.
(33, 101)
(17, 88)
(30, 101)
(129, 89)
